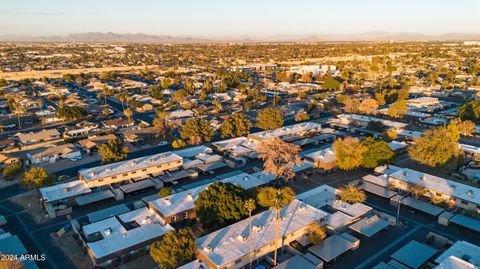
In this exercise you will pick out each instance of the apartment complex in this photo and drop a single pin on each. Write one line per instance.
(287, 133)
(135, 169)
(229, 247)
(464, 196)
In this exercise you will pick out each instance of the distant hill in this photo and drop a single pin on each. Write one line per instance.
(110, 37)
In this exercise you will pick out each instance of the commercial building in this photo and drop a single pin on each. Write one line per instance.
(135, 169)
(229, 247)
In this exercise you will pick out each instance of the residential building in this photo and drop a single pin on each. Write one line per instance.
(44, 135)
(181, 206)
(91, 144)
(288, 133)
(112, 241)
(322, 158)
(134, 169)
(229, 247)
(354, 121)
(464, 196)
(52, 154)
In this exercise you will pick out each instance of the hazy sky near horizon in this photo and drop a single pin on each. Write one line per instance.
(223, 18)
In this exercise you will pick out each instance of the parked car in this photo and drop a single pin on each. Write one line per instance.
(163, 143)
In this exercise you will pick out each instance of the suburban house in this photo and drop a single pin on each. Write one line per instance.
(141, 135)
(80, 129)
(52, 154)
(6, 160)
(45, 135)
(91, 144)
(118, 124)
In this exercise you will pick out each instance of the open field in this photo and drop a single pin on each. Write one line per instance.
(60, 72)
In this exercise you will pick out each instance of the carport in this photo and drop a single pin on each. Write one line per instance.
(332, 247)
(378, 190)
(467, 222)
(94, 197)
(421, 205)
(370, 226)
(136, 186)
(414, 254)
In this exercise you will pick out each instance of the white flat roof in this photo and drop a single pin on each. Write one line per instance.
(64, 190)
(119, 241)
(320, 196)
(370, 226)
(395, 145)
(387, 169)
(463, 250)
(438, 184)
(287, 130)
(106, 227)
(325, 155)
(338, 219)
(129, 165)
(388, 123)
(150, 227)
(230, 243)
(381, 180)
(192, 152)
(354, 210)
(452, 262)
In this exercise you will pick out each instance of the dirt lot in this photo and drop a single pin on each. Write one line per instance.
(70, 247)
(31, 203)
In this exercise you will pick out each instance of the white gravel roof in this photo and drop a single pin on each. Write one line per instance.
(64, 190)
(129, 165)
(294, 129)
(230, 243)
(438, 184)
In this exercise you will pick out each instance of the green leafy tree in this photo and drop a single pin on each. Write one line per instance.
(380, 97)
(12, 170)
(196, 131)
(221, 204)
(435, 147)
(165, 191)
(113, 151)
(465, 128)
(378, 153)
(331, 83)
(269, 118)
(279, 158)
(352, 194)
(178, 144)
(235, 125)
(129, 114)
(301, 116)
(37, 177)
(316, 233)
(275, 199)
(398, 109)
(348, 152)
(470, 110)
(175, 249)
(71, 112)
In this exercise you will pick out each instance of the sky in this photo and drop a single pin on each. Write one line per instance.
(238, 18)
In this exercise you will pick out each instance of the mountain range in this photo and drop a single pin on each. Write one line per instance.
(110, 37)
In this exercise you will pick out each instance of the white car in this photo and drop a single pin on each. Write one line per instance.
(163, 143)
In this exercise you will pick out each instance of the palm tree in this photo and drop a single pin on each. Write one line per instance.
(275, 199)
(122, 97)
(250, 206)
(15, 106)
(279, 158)
(129, 114)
